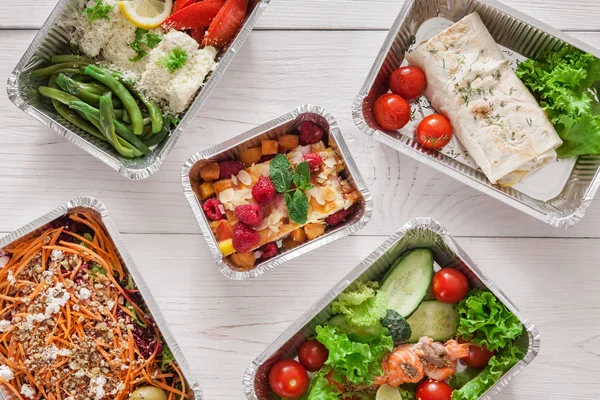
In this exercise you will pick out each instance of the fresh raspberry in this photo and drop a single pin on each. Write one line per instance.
(266, 157)
(212, 210)
(244, 237)
(228, 168)
(310, 133)
(314, 161)
(269, 250)
(250, 214)
(264, 190)
(338, 217)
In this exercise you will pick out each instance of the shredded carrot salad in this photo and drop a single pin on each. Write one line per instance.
(72, 323)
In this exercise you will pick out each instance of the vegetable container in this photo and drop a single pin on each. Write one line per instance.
(271, 130)
(565, 197)
(53, 38)
(99, 212)
(418, 233)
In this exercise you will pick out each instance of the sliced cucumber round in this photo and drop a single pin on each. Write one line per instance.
(408, 280)
(434, 319)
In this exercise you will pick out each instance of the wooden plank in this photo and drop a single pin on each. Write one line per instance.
(338, 14)
(40, 170)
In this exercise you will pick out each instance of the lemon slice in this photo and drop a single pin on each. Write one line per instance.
(146, 14)
(386, 392)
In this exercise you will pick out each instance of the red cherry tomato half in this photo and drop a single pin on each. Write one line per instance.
(288, 379)
(392, 112)
(312, 355)
(478, 357)
(434, 132)
(408, 82)
(450, 285)
(429, 389)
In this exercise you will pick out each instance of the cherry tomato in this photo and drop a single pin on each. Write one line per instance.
(392, 112)
(434, 132)
(408, 82)
(450, 285)
(288, 379)
(312, 355)
(429, 389)
(478, 357)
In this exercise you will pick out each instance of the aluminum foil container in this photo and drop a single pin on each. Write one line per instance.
(53, 38)
(418, 233)
(270, 130)
(512, 30)
(99, 212)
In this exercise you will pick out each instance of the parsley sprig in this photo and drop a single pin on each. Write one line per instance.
(174, 60)
(99, 11)
(283, 177)
(143, 39)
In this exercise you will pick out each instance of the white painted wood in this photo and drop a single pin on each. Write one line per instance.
(338, 14)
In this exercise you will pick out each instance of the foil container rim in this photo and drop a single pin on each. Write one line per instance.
(114, 234)
(248, 135)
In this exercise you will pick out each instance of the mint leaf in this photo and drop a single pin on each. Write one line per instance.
(99, 11)
(302, 176)
(297, 205)
(280, 173)
(174, 60)
(143, 40)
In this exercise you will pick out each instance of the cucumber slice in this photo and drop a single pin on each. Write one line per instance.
(434, 319)
(386, 392)
(408, 280)
(341, 322)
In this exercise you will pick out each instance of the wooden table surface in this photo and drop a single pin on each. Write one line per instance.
(310, 51)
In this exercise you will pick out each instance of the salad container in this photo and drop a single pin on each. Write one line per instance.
(271, 130)
(418, 233)
(98, 210)
(558, 196)
(53, 38)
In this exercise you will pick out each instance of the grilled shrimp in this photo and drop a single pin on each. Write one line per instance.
(440, 359)
(402, 366)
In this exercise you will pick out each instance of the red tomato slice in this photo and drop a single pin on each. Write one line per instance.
(181, 4)
(198, 34)
(226, 24)
(429, 389)
(197, 15)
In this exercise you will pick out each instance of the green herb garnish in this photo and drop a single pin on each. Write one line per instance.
(282, 177)
(174, 60)
(137, 319)
(99, 11)
(143, 39)
(98, 270)
(167, 359)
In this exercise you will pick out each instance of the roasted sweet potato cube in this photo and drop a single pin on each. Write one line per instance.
(289, 243)
(221, 229)
(210, 172)
(270, 147)
(314, 230)
(353, 196)
(243, 260)
(250, 156)
(298, 235)
(288, 142)
(206, 190)
(222, 185)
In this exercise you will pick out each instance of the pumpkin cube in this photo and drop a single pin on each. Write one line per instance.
(210, 172)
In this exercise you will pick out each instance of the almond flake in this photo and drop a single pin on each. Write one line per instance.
(226, 195)
(245, 178)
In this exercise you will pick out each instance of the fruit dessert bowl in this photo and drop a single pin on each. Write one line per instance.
(275, 192)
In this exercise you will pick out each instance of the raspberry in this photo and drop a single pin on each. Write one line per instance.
(314, 161)
(264, 190)
(266, 157)
(250, 214)
(338, 217)
(269, 250)
(310, 133)
(212, 210)
(244, 237)
(228, 168)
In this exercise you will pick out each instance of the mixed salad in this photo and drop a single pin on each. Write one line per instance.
(415, 334)
(276, 196)
(136, 65)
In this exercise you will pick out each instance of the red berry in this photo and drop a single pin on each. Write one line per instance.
(266, 157)
(314, 161)
(269, 250)
(244, 237)
(250, 214)
(212, 209)
(228, 168)
(338, 217)
(310, 133)
(263, 191)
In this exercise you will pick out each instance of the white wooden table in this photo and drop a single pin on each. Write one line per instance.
(310, 51)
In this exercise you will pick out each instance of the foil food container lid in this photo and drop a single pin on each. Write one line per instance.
(99, 211)
(53, 38)
(510, 29)
(229, 149)
(417, 233)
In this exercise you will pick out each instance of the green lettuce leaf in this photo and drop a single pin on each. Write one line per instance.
(320, 389)
(364, 306)
(484, 320)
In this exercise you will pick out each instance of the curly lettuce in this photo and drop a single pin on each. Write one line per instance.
(364, 306)
(484, 320)
(566, 84)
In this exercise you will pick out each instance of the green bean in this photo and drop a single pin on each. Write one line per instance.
(123, 142)
(62, 67)
(122, 93)
(88, 92)
(108, 127)
(57, 95)
(158, 138)
(126, 116)
(65, 58)
(153, 109)
(82, 78)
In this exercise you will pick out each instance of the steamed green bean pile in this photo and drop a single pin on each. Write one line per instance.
(103, 104)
